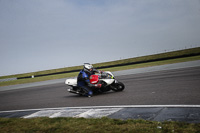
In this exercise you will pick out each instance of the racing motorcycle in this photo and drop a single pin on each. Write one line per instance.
(107, 80)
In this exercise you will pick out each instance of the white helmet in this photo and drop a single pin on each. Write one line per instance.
(88, 67)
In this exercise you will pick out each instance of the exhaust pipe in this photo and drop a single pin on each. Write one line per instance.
(72, 91)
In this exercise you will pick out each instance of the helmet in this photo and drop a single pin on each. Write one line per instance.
(87, 67)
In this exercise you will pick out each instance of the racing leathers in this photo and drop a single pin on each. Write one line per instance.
(83, 81)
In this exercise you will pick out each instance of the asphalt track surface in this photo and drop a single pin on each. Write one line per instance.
(167, 87)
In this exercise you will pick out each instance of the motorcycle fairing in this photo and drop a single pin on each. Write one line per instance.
(94, 79)
(108, 81)
(71, 82)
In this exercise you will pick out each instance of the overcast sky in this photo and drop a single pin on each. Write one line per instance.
(48, 34)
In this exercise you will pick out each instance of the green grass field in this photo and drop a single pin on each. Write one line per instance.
(185, 52)
(101, 125)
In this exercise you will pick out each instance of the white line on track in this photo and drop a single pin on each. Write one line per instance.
(77, 113)
(99, 107)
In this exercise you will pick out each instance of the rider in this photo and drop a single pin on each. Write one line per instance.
(84, 79)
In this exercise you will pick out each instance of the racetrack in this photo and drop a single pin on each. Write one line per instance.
(168, 87)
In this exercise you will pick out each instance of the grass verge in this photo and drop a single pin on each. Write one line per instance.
(136, 60)
(73, 74)
(80, 125)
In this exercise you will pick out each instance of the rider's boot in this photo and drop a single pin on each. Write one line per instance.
(90, 94)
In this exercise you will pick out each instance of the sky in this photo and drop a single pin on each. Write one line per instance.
(40, 35)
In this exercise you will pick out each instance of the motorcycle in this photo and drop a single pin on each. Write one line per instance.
(107, 80)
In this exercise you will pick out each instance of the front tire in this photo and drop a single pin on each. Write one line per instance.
(119, 86)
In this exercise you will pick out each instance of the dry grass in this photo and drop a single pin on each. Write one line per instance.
(82, 125)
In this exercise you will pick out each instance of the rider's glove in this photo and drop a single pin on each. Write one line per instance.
(98, 85)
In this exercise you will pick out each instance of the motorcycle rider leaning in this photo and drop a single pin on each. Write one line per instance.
(83, 79)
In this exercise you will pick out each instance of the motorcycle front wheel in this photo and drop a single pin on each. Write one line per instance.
(119, 86)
